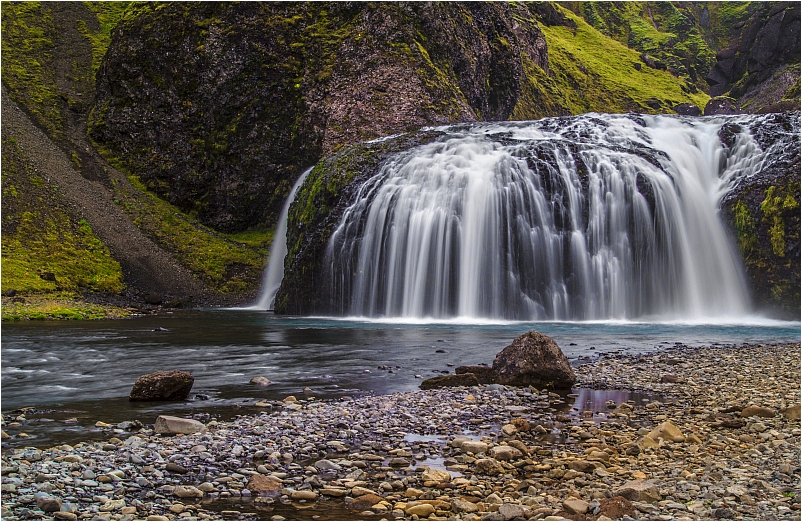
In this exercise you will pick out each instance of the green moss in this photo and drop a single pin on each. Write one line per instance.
(590, 72)
(28, 71)
(228, 263)
(108, 15)
(773, 207)
(57, 306)
(45, 246)
(745, 228)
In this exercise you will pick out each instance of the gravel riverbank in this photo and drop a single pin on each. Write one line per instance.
(723, 442)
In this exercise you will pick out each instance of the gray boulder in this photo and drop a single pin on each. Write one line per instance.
(534, 359)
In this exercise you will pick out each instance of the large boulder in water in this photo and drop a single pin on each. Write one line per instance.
(534, 359)
(172, 385)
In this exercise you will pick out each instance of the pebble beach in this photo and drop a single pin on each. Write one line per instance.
(718, 438)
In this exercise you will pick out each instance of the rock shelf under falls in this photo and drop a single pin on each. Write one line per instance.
(724, 445)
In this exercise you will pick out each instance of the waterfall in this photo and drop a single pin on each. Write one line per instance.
(581, 218)
(274, 273)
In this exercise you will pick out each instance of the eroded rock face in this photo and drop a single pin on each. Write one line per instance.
(218, 107)
(172, 385)
(534, 359)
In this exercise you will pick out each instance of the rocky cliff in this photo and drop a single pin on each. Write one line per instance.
(218, 107)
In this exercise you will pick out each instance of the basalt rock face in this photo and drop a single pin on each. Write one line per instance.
(763, 213)
(219, 106)
(760, 67)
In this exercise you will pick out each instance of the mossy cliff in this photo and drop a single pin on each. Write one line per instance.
(218, 107)
(764, 214)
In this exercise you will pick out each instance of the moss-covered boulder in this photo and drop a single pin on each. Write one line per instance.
(764, 214)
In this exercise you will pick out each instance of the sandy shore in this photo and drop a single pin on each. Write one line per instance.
(722, 442)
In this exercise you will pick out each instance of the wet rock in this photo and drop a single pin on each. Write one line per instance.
(474, 446)
(422, 510)
(722, 105)
(504, 453)
(436, 475)
(512, 511)
(534, 359)
(615, 508)
(264, 485)
(63, 515)
(303, 495)
(465, 379)
(363, 502)
(687, 109)
(484, 374)
(172, 467)
(489, 466)
(168, 425)
(172, 385)
(758, 411)
(325, 464)
(187, 492)
(261, 381)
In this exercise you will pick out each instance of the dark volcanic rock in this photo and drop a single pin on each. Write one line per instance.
(172, 385)
(688, 109)
(219, 106)
(534, 359)
(484, 374)
(465, 379)
(722, 105)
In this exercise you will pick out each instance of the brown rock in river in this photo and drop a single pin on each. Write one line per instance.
(466, 379)
(173, 385)
(484, 374)
(534, 359)
(264, 485)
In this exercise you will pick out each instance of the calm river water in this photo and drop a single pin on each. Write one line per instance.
(85, 370)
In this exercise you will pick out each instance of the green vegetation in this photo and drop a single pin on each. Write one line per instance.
(49, 253)
(229, 263)
(27, 62)
(773, 207)
(745, 228)
(57, 306)
(108, 15)
(590, 72)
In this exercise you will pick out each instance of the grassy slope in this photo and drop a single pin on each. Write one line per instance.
(228, 263)
(590, 72)
(50, 256)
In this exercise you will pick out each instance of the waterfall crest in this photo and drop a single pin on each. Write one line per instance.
(582, 218)
(274, 273)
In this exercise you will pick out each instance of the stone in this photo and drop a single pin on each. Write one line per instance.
(581, 465)
(48, 504)
(758, 411)
(333, 492)
(669, 379)
(448, 381)
(63, 515)
(325, 464)
(615, 508)
(792, 412)
(522, 425)
(436, 475)
(504, 453)
(363, 502)
(168, 425)
(722, 105)
(640, 490)
(489, 466)
(512, 511)
(576, 506)
(358, 491)
(474, 446)
(413, 493)
(687, 109)
(290, 398)
(484, 374)
(261, 381)
(667, 431)
(172, 385)
(422, 510)
(187, 492)
(534, 359)
(303, 495)
(264, 485)
(172, 467)
(459, 505)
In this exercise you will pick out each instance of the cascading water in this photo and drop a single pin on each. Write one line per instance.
(592, 217)
(274, 273)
